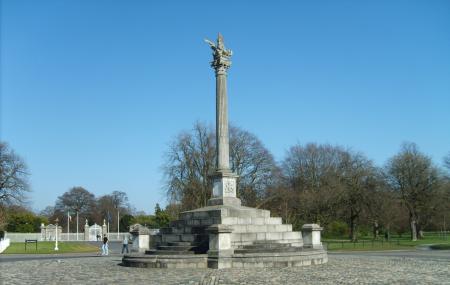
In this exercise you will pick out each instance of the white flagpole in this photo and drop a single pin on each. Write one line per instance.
(77, 225)
(68, 224)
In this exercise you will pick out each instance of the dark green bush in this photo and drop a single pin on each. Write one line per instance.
(336, 229)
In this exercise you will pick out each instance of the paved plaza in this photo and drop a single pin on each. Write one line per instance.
(343, 268)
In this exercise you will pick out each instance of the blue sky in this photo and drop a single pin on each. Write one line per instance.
(92, 92)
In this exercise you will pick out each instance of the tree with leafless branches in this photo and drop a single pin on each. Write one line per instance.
(190, 161)
(414, 177)
(13, 177)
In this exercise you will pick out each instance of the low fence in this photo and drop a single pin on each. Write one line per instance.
(4, 243)
(361, 244)
(21, 237)
(444, 235)
(395, 241)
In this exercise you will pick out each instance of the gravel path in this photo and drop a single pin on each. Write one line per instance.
(358, 268)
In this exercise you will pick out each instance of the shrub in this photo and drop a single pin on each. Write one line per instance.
(336, 229)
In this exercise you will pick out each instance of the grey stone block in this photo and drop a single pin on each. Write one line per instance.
(273, 221)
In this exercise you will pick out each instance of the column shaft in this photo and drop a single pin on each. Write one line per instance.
(223, 160)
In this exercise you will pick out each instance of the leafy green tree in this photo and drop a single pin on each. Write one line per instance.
(162, 218)
(145, 220)
(125, 222)
(24, 221)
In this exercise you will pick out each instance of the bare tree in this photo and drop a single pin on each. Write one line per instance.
(13, 177)
(3, 218)
(360, 179)
(48, 212)
(416, 179)
(119, 200)
(190, 161)
(313, 172)
(447, 161)
(104, 211)
(253, 163)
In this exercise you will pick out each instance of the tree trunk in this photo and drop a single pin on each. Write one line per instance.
(419, 231)
(413, 229)
(375, 229)
(353, 226)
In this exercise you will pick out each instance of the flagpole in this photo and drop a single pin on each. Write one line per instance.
(109, 218)
(68, 224)
(77, 225)
(117, 223)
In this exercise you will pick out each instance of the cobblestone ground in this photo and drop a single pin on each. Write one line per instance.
(341, 269)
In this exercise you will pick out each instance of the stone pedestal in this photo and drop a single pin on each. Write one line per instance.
(140, 237)
(311, 236)
(220, 249)
(224, 189)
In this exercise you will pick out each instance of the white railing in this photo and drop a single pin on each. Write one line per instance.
(4, 243)
(21, 237)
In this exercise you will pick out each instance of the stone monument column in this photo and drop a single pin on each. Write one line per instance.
(224, 181)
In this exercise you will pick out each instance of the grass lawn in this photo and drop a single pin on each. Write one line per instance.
(49, 246)
(395, 243)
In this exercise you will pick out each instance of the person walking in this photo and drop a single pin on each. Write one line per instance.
(125, 243)
(105, 250)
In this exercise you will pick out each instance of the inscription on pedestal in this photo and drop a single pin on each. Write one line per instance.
(229, 187)
(224, 187)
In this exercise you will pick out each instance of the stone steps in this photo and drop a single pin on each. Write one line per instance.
(268, 244)
(222, 212)
(179, 243)
(238, 228)
(200, 223)
(261, 228)
(263, 250)
(235, 236)
(254, 236)
(168, 252)
(166, 261)
(254, 233)
(192, 238)
(252, 221)
(176, 247)
(265, 247)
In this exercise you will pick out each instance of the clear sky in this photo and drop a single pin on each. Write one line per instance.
(93, 91)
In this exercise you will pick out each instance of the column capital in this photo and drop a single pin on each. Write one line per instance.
(220, 69)
(221, 56)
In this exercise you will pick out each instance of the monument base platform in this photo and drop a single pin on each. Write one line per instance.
(229, 236)
(247, 260)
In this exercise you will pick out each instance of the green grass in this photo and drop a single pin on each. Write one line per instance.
(47, 247)
(395, 243)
